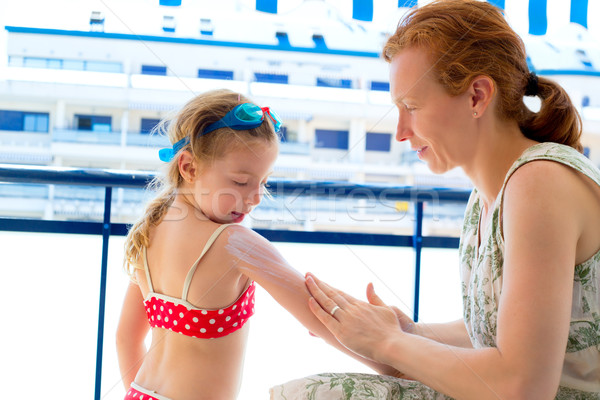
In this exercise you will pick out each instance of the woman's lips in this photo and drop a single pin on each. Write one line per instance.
(420, 151)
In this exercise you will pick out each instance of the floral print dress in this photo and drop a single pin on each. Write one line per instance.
(481, 276)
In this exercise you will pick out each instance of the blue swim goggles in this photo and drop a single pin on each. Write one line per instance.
(243, 116)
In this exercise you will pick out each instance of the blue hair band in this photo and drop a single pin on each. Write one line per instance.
(168, 153)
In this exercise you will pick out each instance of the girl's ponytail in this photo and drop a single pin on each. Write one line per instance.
(139, 235)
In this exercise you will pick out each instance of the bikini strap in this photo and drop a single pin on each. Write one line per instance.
(211, 240)
(147, 269)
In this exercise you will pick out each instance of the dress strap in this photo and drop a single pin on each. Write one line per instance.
(147, 269)
(211, 240)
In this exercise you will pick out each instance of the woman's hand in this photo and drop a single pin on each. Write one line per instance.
(362, 327)
(406, 323)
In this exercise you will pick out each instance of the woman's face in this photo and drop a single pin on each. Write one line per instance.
(435, 123)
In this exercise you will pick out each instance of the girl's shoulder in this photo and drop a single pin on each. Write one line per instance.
(236, 240)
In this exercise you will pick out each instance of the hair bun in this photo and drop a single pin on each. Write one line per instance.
(531, 89)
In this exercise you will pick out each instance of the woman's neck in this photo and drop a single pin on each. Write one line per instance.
(500, 144)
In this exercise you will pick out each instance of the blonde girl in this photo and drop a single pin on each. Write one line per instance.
(193, 268)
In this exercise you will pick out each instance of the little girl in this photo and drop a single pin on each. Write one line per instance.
(193, 268)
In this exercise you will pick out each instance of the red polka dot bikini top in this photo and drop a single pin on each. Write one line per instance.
(179, 315)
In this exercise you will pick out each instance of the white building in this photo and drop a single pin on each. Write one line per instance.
(85, 91)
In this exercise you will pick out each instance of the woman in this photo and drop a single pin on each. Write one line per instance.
(530, 244)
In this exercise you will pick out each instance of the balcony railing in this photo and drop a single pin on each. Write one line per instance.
(109, 179)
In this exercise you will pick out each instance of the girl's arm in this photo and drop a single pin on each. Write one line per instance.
(131, 332)
(542, 223)
(257, 258)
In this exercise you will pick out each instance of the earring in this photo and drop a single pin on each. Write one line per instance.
(475, 113)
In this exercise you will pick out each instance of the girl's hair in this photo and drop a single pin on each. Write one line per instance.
(191, 121)
(468, 38)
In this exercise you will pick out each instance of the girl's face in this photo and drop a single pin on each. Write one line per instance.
(435, 123)
(232, 186)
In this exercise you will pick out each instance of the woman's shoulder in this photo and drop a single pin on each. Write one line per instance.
(551, 188)
(559, 154)
(551, 167)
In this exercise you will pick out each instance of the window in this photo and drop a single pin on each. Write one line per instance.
(585, 101)
(95, 123)
(76, 65)
(37, 122)
(333, 82)
(319, 41)
(378, 141)
(283, 134)
(148, 124)
(54, 64)
(381, 86)
(97, 21)
(206, 27)
(331, 139)
(23, 121)
(35, 62)
(282, 39)
(271, 78)
(584, 59)
(79, 65)
(154, 70)
(103, 66)
(169, 23)
(215, 74)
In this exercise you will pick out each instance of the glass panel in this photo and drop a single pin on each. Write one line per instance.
(440, 294)
(29, 122)
(331, 139)
(32, 62)
(35, 123)
(276, 337)
(15, 61)
(148, 124)
(41, 123)
(154, 70)
(52, 312)
(334, 82)
(66, 270)
(11, 120)
(100, 66)
(378, 141)
(73, 64)
(381, 86)
(54, 64)
(271, 78)
(101, 127)
(215, 74)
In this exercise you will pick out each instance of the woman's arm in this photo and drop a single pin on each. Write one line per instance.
(131, 332)
(542, 223)
(453, 333)
(257, 258)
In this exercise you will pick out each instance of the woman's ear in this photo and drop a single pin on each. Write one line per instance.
(188, 168)
(482, 92)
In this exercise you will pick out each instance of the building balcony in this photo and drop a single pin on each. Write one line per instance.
(75, 265)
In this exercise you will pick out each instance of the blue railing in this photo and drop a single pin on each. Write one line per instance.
(110, 179)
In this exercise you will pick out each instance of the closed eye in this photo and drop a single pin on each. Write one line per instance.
(237, 183)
